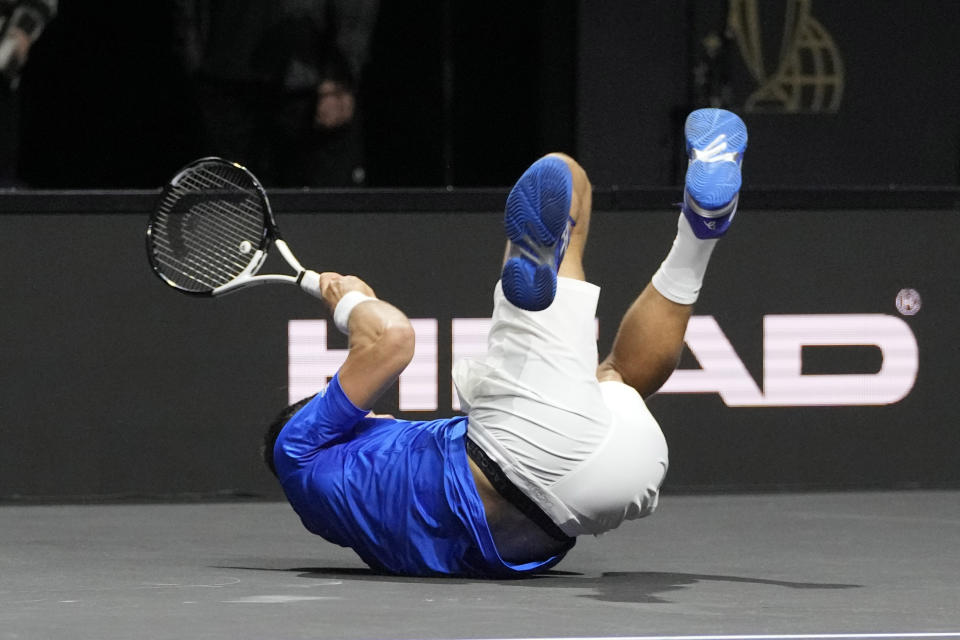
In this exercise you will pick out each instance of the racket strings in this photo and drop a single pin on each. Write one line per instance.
(196, 266)
(208, 227)
(208, 231)
(206, 259)
(228, 214)
(209, 181)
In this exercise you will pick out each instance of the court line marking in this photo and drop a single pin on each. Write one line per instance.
(775, 636)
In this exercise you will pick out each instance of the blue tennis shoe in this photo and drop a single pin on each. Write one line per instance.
(716, 140)
(537, 221)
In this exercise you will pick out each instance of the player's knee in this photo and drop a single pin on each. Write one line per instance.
(582, 191)
(579, 174)
(645, 376)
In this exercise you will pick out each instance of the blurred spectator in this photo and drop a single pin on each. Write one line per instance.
(21, 23)
(277, 84)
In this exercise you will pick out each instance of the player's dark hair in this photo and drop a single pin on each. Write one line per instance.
(273, 431)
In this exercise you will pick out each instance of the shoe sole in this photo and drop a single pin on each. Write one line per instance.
(713, 185)
(535, 220)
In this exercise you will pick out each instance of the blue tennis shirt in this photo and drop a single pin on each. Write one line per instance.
(399, 493)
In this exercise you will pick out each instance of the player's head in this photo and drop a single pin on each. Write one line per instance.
(273, 431)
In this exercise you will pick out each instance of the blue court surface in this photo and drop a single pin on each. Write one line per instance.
(869, 565)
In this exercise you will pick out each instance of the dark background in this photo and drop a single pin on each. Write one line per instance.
(109, 105)
(466, 94)
(115, 385)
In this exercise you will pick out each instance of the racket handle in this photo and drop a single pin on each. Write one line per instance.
(309, 281)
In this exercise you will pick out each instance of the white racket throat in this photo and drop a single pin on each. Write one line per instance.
(306, 279)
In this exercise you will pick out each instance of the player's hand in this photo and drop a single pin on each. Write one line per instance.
(334, 286)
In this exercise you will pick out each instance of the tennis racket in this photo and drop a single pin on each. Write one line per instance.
(212, 229)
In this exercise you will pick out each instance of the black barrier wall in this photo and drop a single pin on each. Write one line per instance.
(803, 371)
(841, 93)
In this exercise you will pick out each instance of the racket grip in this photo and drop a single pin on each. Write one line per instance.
(309, 281)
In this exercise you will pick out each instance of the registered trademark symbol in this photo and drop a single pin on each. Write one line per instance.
(908, 302)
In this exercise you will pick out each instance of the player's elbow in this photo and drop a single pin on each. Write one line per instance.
(381, 339)
(397, 342)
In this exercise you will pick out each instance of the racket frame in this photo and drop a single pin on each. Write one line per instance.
(271, 236)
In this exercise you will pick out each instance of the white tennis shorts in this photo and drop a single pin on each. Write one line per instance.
(588, 453)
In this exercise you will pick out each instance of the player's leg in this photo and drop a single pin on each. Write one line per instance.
(648, 343)
(538, 377)
(650, 338)
(588, 454)
(547, 217)
(581, 204)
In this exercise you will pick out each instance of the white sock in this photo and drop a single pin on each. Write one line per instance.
(680, 276)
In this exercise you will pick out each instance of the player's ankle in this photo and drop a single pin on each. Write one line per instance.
(680, 276)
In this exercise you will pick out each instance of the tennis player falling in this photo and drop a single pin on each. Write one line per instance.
(553, 445)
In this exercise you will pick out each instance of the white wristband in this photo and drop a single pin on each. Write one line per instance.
(341, 315)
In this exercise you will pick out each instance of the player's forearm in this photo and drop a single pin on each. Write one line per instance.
(381, 346)
(381, 337)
